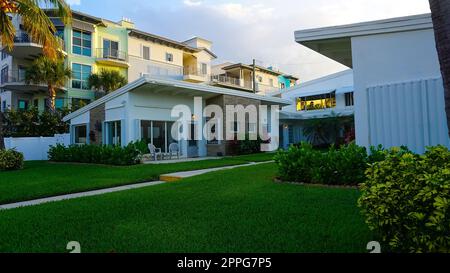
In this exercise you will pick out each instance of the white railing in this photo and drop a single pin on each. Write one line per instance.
(225, 80)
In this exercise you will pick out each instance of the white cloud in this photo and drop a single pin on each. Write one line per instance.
(192, 3)
(264, 29)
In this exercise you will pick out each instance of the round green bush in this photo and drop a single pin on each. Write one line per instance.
(406, 200)
(10, 160)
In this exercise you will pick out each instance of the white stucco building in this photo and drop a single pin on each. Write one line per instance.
(324, 97)
(142, 110)
(399, 95)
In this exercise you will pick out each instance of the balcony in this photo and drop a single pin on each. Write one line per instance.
(14, 80)
(194, 74)
(113, 57)
(25, 48)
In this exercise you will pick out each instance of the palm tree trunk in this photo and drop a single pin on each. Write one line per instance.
(52, 98)
(440, 13)
(2, 143)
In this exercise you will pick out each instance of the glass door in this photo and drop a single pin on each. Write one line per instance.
(114, 133)
(159, 135)
(110, 49)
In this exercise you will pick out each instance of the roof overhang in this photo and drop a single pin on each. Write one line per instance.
(250, 67)
(335, 42)
(159, 39)
(177, 88)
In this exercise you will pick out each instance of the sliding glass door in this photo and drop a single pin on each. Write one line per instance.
(157, 133)
(114, 132)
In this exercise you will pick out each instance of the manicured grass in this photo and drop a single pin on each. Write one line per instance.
(42, 179)
(239, 210)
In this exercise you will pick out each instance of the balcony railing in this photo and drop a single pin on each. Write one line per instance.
(13, 76)
(225, 80)
(194, 71)
(23, 37)
(111, 54)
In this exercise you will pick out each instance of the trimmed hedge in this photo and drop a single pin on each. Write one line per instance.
(406, 200)
(343, 166)
(97, 154)
(10, 160)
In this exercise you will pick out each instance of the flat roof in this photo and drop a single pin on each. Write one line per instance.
(250, 67)
(335, 41)
(194, 87)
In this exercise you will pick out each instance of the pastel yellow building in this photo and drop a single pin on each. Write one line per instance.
(240, 76)
(156, 56)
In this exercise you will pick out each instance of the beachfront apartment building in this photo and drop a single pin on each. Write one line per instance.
(90, 44)
(240, 76)
(156, 56)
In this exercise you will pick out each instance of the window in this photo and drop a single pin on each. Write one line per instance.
(213, 131)
(349, 99)
(317, 102)
(252, 128)
(4, 74)
(169, 57)
(271, 82)
(82, 43)
(260, 79)
(158, 133)
(291, 134)
(35, 103)
(114, 131)
(80, 136)
(110, 49)
(204, 69)
(4, 106)
(22, 104)
(146, 53)
(4, 54)
(283, 85)
(235, 126)
(80, 76)
(59, 103)
(60, 32)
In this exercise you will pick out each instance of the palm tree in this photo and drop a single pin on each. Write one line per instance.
(34, 21)
(440, 13)
(107, 81)
(52, 73)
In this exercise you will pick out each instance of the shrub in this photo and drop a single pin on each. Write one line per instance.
(299, 163)
(97, 154)
(343, 166)
(10, 160)
(32, 123)
(406, 200)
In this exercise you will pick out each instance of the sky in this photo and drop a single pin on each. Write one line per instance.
(249, 29)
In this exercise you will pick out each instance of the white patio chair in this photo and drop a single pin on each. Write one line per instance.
(154, 152)
(174, 149)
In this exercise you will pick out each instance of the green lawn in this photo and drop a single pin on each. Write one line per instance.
(42, 179)
(239, 210)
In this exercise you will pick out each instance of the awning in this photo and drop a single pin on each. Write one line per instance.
(346, 89)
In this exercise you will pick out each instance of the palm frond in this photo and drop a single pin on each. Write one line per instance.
(7, 30)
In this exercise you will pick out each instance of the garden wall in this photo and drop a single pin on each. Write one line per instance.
(36, 148)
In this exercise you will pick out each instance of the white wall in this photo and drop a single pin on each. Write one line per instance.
(318, 86)
(36, 148)
(395, 58)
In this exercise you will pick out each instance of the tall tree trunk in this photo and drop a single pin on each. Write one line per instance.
(440, 12)
(2, 142)
(52, 97)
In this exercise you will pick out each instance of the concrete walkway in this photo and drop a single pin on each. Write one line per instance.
(165, 178)
(180, 175)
